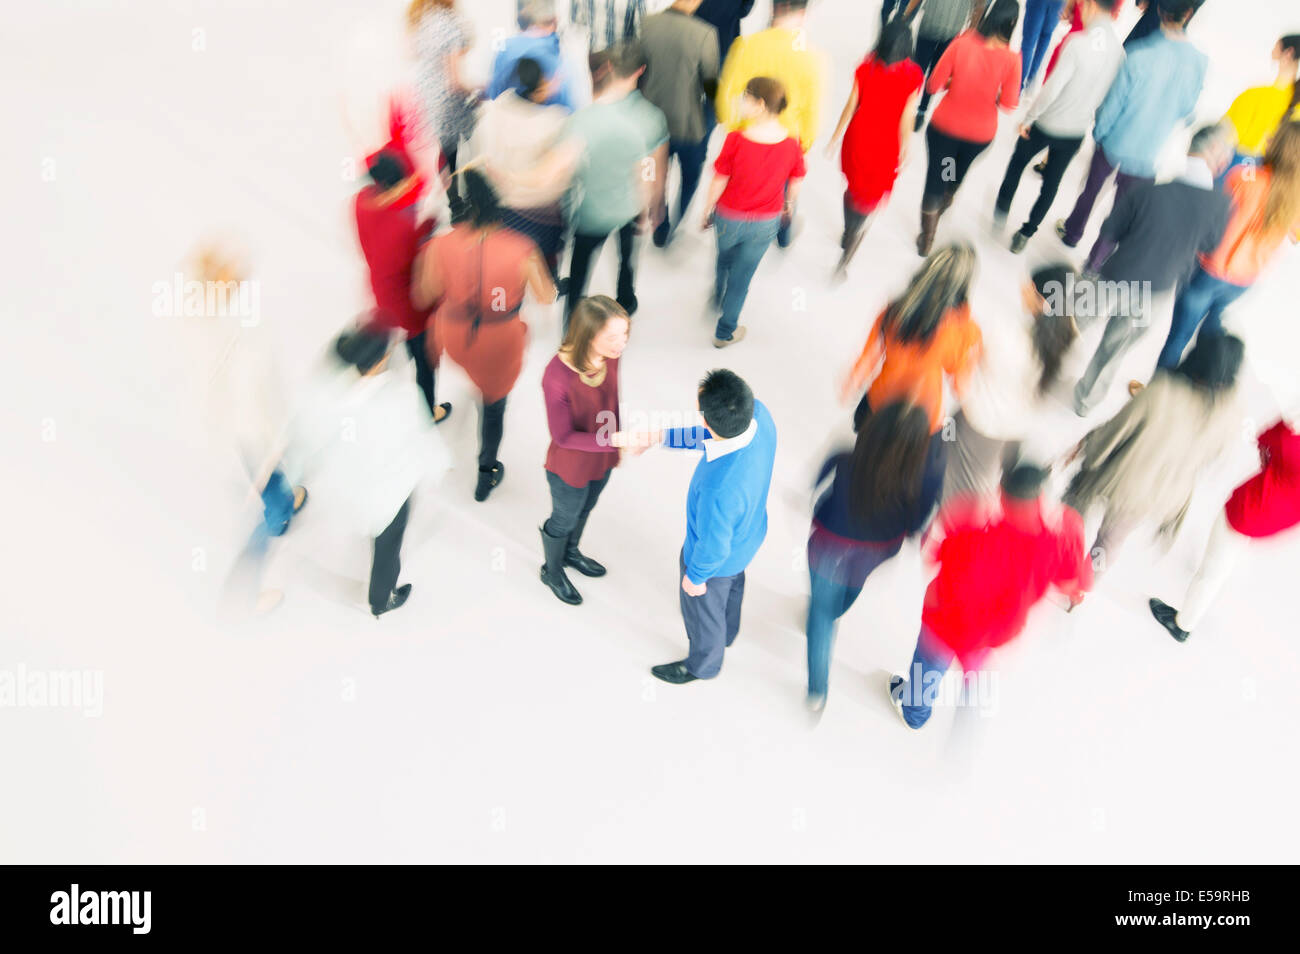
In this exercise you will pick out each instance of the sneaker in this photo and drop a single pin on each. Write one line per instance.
(737, 335)
(1167, 617)
(1018, 242)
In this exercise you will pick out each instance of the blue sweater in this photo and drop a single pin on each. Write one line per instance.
(1155, 90)
(726, 507)
(546, 51)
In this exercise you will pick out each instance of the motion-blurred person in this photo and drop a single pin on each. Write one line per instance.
(1042, 17)
(726, 518)
(881, 492)
(1062, 113)
(539, 41)
(1258, 113)
(1004, 400)
(1265, 202)
(1262, 507)
(442, 36)
(993, 569)
(623, 143)
(941, 22)
(1073, 14)
(1149, 22)
(580, 386)
(1146, 247)
(877, 128)
(681, 74)
(725, 17)
(982, 75)
(756, 181)
(518, 138)
(477, 275)
(1143, 464)
(781, 52)
(1155, 90)
(367, 443)
(922, 337)
(390, 234)
(608, 22)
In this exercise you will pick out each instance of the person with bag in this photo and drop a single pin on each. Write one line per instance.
(477, 273)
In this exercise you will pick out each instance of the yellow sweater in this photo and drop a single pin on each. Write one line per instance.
(1256, 114)
(781, 54)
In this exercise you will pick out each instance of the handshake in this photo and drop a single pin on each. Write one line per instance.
(635, 443)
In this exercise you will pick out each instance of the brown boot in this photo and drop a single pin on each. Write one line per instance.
(930, 213)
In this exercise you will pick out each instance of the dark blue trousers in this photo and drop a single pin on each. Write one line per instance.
(712, 620)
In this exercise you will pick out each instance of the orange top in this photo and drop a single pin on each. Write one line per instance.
(914, 370)
(1246, 248)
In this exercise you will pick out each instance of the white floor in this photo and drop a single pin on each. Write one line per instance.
(486, 721)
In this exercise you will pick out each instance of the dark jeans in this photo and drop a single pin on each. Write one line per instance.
(1041, 19)
(742, 243)
(1059, 153)
(386, 563)
(690, 160)
(571, 506)
(928, 51)
(1200, 304)
(712, 620)
(829, 601)
(1099, 171)
(950, 160)
(920, 688)
(586, 248)
(492, 418)
(888, 8)
(277, 504)
(424, 370)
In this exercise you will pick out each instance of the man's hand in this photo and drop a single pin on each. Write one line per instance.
(691, 589)
(1024, 132)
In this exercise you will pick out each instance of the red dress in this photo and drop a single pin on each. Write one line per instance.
(869, 156)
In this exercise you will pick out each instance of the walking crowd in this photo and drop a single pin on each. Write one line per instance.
(485, 200)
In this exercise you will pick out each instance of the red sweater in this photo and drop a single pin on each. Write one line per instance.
(1269, 502)
(979, 78)
(390, 238)
(993, 569)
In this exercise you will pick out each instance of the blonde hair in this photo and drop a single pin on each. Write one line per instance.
(1282, 208)
(418, 8)
(943, 282)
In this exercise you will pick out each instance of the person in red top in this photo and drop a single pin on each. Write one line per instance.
(993, 569)
(755, 185)
(879, 115)
(981, 73)
(390, 234)
(1264, 506)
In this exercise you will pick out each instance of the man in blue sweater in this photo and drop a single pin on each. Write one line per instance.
(540, 41)
(726, 518)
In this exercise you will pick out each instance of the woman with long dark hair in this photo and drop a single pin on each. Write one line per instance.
(981, 73)
(881, 492)
(478, 273)
(877, 126)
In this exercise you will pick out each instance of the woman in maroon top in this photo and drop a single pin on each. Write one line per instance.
(390, 234)
(981, 73)
(755, 184)
(580, 386)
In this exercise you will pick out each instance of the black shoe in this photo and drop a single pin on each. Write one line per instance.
(488, 479)
(395, 599)
(1041, 167)
(562, 287)
(628, 305)
(1167, 617)
(446, 412)
(662, 234)
(584, 565)
(553, 569)
(1018, 242)
(1060, 233)
(675, 673)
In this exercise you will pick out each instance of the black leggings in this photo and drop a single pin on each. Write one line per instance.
(1060, 152)
(424, 370)
(492, 421)
(386, 563)
(950, 160)
(585, 249)
(570, 506)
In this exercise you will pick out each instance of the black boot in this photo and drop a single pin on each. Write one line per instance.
(553, 570)
(572, 557)
(488, 479)
(1167, 617)
(395, 600)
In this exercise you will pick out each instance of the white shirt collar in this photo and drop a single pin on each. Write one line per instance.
(1197, 173)
(720, 447)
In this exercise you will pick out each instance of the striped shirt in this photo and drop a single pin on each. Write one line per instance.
(943, 19)
(608, 22)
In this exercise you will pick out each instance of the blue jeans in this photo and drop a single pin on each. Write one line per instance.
(920, 688)
(690, 160)
(277, 505)
(829, 601)
(1041, 19)
(742, 243)
(1203, 298)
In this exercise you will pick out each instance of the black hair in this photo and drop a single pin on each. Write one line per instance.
(726, 403)
(895, 42)
(388, 169)
(1107, 5)
(1000, 21)
(529, 77)
(484, 204)
(1176, 11)
(1213, 362)
(1053, 333)
(363, 347)
(788, 6)
(1024, 482)
(889, 460)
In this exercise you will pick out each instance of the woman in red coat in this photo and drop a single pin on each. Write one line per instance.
(1263, 506)
(879, 116)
